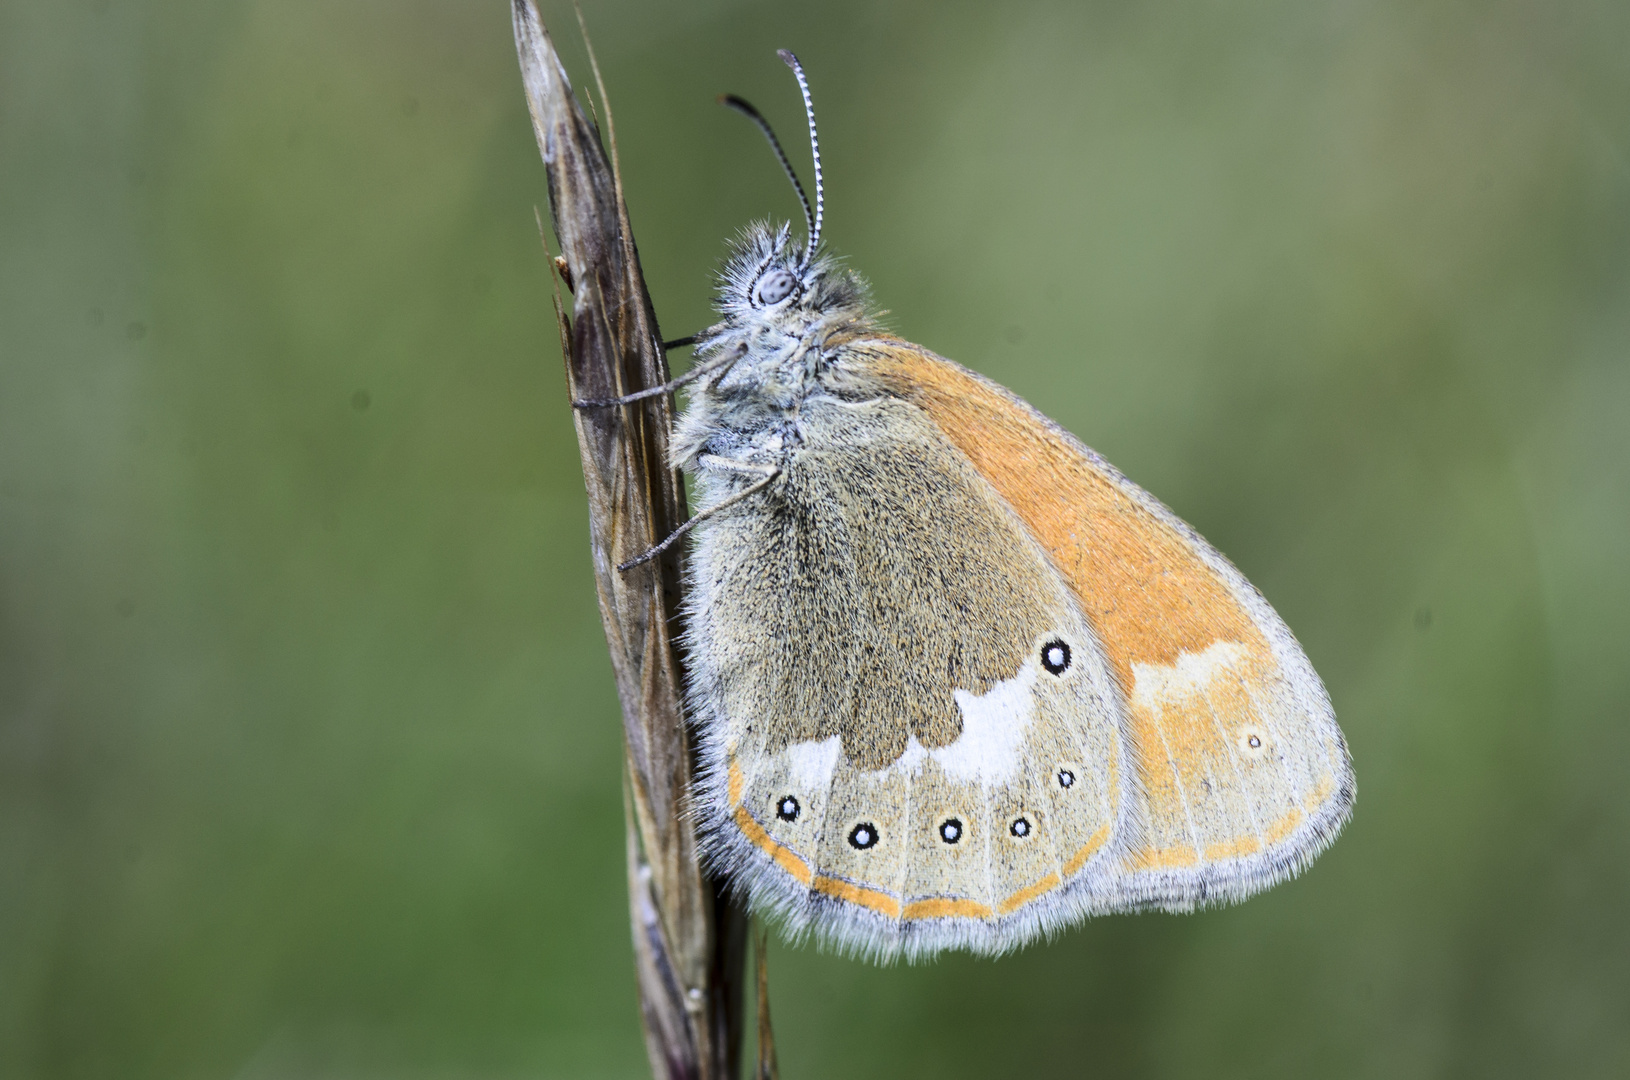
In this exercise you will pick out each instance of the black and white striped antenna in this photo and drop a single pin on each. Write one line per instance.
(743, 106)
(814, 150)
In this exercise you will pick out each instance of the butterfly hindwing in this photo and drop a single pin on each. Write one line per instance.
(907, 796)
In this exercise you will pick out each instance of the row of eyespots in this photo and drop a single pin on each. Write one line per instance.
(788, 808)
(866, 835)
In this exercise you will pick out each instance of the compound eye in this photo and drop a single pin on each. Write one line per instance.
(774, 287)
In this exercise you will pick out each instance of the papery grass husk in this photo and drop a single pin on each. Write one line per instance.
(689, 935)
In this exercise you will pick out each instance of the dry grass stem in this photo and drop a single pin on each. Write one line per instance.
(689, 940)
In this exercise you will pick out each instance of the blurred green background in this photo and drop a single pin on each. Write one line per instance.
(309, 752)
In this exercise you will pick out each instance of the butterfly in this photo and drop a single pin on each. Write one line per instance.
(958, 682)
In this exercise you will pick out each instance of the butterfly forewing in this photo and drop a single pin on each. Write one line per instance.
(1243, 774)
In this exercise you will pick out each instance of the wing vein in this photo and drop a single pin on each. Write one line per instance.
(1233, 760)
(1177, 779)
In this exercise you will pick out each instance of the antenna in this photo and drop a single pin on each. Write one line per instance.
(746, 109)
(814, 150)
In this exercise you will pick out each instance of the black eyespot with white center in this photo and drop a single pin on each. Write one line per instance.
(787, 808)
(863, 836)
(774, 286)
(1020, 827)
(1066, 778)
(951, 830)
(1254, 742)
(1055, 656)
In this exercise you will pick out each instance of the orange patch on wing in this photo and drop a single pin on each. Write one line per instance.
(878, 901)
(733, 782)
(1233, 849)
(1162, 777)
(1029, 893)
(1184, 717)
(1282, 828)
(1199, 688)
(1166, 858)
(1147, 594)
(1093, 843)
(944, 907)
(784, 856)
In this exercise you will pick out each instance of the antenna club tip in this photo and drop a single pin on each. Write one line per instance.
(789, 59)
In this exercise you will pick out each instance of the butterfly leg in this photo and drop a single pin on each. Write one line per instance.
(717, 364)
(767, 474)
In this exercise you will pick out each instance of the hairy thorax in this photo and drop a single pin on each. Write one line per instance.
(753, 410)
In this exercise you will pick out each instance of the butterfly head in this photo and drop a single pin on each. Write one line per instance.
(777, 295)
(771, 288)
